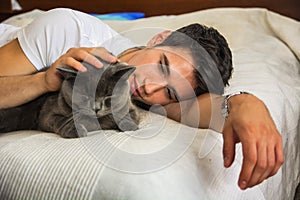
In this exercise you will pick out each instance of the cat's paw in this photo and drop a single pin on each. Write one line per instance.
(81, 130)
(127, 125)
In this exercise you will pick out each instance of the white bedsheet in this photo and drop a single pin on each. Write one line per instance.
(164, 159)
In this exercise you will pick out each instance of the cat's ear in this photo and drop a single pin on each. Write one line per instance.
(67, 72)
(124, 71)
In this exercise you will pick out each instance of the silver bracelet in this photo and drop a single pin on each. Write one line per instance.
(225, 109)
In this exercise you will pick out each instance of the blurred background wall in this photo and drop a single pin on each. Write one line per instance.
(149, 7)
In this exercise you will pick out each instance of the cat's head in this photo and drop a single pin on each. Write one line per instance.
(103, 93)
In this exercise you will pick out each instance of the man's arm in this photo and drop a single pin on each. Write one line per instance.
(202, 112)
(17, 86)
(17, 90)
(249, 122)
(19, 82)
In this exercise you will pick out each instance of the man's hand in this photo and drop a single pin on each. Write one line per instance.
(19, 82)
(250, 123)
(73, 58)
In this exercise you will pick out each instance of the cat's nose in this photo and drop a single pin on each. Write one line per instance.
(96, 106)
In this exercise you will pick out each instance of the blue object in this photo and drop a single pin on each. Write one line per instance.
(120, 16)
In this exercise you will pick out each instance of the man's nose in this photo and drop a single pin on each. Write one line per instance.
(152, 87)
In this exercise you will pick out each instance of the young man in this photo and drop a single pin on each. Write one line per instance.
(166, 73)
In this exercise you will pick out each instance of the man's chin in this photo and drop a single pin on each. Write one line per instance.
(138, 98)
(141, 104)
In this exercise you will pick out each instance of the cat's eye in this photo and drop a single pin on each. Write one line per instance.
(107, 102)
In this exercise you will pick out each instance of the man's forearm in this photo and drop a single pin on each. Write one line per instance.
(201, 112)
(209, 108)
(17, 90)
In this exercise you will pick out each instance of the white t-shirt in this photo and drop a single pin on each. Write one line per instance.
(7, 33)
(51, 35)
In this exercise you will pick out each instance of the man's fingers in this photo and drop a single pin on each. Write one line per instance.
(90, 55)
(74, 56)
(249, 162)
(279, 157)
(104, 54)
(89, 58)
(85, 54)
(261, 166)
(228, 146)
(269, 160)
(271, 164)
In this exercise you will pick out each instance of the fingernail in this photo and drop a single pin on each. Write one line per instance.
(243, 184)
(99, 64)
(226, 161)
(83, 69)
(111, 57)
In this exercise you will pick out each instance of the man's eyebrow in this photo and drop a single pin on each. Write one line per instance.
(166, 63)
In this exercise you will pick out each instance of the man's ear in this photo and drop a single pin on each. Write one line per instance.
(159, 38)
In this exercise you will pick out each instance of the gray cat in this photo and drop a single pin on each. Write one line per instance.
(89, 101)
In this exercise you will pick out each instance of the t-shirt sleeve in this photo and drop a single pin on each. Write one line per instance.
(7, 33)
(51, 35)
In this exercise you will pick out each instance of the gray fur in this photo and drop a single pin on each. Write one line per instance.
(89, 101)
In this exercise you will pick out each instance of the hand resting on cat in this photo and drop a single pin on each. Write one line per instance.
(87, 101)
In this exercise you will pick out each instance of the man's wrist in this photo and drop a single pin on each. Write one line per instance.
(42, 86)
(232, 99)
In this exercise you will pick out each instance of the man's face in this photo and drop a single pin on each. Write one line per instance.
(163, 75)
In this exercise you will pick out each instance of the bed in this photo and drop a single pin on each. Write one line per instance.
(165, 159)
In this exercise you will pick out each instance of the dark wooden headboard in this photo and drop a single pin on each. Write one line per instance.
(289, 8)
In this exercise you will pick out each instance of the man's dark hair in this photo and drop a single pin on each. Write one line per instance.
(211, 55)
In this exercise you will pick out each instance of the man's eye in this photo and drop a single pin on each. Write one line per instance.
(169, 93)
(162, 68)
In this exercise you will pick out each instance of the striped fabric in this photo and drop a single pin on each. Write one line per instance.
(43, 166)
(49, 168)
(36, 165)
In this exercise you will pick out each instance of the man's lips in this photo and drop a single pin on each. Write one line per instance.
(134, 88)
